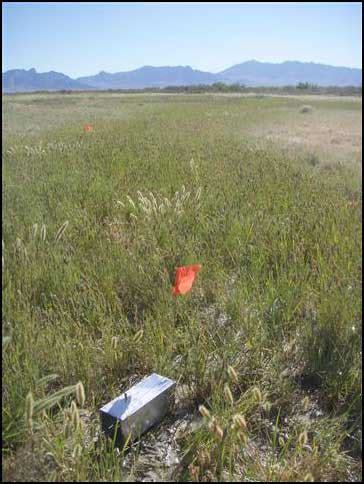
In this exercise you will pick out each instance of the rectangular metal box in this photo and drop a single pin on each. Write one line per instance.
(138, 409)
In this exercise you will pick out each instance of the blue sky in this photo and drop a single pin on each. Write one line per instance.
(84, 38)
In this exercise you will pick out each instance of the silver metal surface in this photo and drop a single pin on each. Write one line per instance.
(138, 409)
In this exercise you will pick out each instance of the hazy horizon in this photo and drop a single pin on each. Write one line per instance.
(195, 68)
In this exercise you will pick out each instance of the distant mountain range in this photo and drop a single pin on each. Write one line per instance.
(250, 73)
(149, 76)
(20, 80)
(290, 73)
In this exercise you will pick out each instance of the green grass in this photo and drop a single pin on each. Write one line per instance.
(279, 241)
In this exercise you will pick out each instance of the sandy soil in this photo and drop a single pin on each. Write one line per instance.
(335, 136)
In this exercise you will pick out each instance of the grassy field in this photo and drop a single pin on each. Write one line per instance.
(269, 338)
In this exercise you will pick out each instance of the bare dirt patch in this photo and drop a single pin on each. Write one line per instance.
(332, 135)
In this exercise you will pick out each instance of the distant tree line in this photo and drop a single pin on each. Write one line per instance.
(221, 87)
(216, 87)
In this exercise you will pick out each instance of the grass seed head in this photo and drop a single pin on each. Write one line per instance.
(233, 375)
(240, 422)
(73, 407)
(302, 438)
(228, 395)
(219, 432)
(243, 437)
(76, 421)
(204, 458)
(204, 412)
(257, 394)
(266, 406)
(43, 233)
(308, 478)
(114, 342)
(18, 244)
(29, 406)
(68, 414)
(215, 428)
(68, 430)
(80, 394)
(138, 336)
(77, 452)
(306, 403)
(34, 230)
(130, 200)
(61, 230)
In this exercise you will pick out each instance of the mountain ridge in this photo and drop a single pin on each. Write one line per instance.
(30, 80)
(250, 73)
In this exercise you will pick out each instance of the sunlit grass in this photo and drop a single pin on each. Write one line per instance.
(94, 225)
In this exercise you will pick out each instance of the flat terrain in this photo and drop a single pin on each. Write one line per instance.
(331, 129)
(265, 193)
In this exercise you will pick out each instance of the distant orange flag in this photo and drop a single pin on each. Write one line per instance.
(87, 128)
(184, 278)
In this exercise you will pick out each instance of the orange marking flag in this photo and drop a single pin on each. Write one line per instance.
(184, 278)
(87, 128)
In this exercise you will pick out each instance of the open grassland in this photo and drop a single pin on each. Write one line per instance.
(269, 338)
